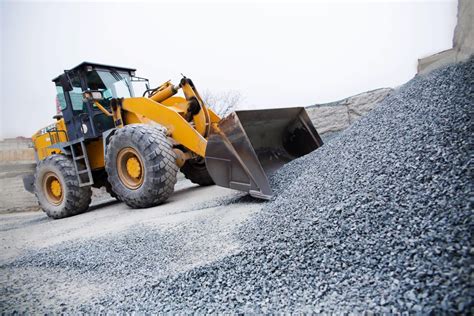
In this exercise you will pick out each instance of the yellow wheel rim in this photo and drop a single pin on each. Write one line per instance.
(130, 168)
(52, 188)
(134, 168)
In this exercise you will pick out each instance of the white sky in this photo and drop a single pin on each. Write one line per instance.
(284, 53)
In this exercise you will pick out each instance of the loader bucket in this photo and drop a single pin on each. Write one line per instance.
(248, 146)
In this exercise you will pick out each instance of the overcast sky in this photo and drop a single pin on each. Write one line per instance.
(276, 54)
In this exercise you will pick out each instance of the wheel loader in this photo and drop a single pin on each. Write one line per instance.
(134, 146)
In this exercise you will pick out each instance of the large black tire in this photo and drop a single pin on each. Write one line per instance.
(72, 199)
(150, 147)
(195, 170)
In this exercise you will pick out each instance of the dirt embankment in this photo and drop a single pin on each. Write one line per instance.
(16, 160)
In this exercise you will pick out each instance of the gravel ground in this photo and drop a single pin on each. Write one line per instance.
(51, 266)
(379, 219)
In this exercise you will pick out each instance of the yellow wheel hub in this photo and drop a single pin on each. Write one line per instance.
(134, 168)
(52, 188)
(56, 188)
(130, 168)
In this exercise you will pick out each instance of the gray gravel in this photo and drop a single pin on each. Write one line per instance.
(58, 278)
(379, 219)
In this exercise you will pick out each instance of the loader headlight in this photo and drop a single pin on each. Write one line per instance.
(92, 95)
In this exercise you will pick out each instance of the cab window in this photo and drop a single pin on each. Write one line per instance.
(76, 99)
(76, 94)
(112, 84)
(60, 99)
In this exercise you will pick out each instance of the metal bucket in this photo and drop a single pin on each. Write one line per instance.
(250, 145)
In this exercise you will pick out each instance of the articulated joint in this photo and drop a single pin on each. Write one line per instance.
(182, 156)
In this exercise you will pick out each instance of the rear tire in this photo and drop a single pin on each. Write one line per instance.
(141, 165)
(57, 188)
(195, 170)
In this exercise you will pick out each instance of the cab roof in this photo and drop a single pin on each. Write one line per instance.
(84, 64)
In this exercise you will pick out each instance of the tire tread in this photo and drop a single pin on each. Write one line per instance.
(161, 170)
(77, 198)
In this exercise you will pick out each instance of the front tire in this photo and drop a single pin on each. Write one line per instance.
(141, 165)
(57, 188)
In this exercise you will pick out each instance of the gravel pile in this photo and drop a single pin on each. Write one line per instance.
(379, 219)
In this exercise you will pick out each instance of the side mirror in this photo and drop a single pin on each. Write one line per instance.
(64, 80)
(92, 95)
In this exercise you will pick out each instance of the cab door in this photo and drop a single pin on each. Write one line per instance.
(76, 112)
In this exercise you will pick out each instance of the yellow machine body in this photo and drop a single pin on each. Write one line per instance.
(240, 151)
(56, 133)
(44, 138)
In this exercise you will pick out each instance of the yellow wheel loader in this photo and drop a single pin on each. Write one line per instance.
(135, 146)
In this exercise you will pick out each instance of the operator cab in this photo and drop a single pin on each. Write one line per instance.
(83, 119)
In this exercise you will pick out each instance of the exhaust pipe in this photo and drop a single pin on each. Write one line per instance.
(246, 147)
